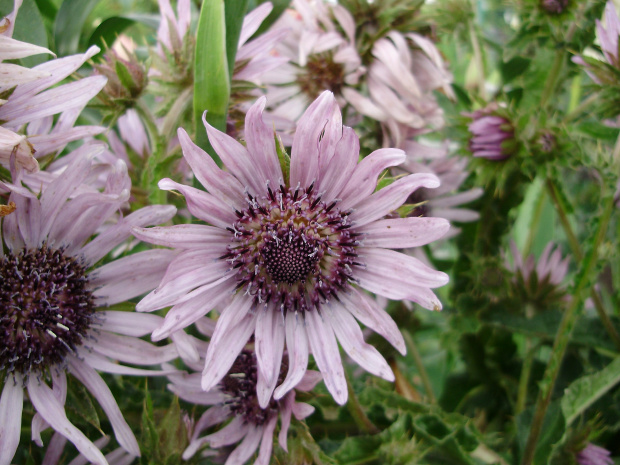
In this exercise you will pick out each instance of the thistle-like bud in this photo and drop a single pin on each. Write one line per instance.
(554, 7)
(127, 79)
(492, 134)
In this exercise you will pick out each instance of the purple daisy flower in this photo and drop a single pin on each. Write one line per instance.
(296, 253)
(492, 135)
(51, 293)
(235, 399)
(594, 455)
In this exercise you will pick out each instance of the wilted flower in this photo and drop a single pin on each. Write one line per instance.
(294, 253)
(492, 135)
(594, 455)
(51, 296)
(235, 398)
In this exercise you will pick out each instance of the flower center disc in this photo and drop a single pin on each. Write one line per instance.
(292, 249)
(46, 309)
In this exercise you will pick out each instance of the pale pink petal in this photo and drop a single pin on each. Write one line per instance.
(286, 411)
(253, 20)
(132, 350)
(260, 140)
(202, 205)
(305, 151)
(11, 405)
(401, 267)
(131, 276)
(351, 339)
(236, 158)
(183, 236)
(369, 313)
(53, 412)
(403, 233)
(52, 101)
(266, 445)
(363, 181)
(391, 197)
(218, 182)
(102, 363)
(129, 323)
(327, 355)
(12, 49)
(189, 311)
(100, 391)
(363, 104)
(297, 348)
(247, 447)
(54, 449)
(113, 236)
(234, 328)
(29, 217)
(309, 380)
(133, 132)
(302, 410)
(185, 346)
(341, 166)
(59, 388)
(231, 433)
(213, 416)
(269, 345)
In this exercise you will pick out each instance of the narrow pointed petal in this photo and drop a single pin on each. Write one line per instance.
(230, 434)
(53, 412)
(183, 236)
(100, 391)
(363, 181)
(371, 315)
(391, 197)
(266, 445)
(218, 182)
(302, 410)
(297, 348)
(247, 447)
(403, 232)
(269, 344)
(261, 144)
(286, 412)
(327, 355)
(202, 205)
(341, 166)
(305, 150)
(133, 350)
(11, 405)
(234, 328)
(351, 339)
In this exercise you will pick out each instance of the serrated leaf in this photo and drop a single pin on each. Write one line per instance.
(358, 449)
(551, 432)
(585, 391)
(70, 22)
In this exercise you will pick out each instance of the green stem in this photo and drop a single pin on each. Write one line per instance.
(540, 203)
(616, 155)
(563, 336)
(413, 350)
(357, 412)
(576, 249)
(150, 171)
(478, 59)
(524, 380)
(552, 77)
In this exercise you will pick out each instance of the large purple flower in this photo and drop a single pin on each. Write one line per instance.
(296, 250)
(51, 294)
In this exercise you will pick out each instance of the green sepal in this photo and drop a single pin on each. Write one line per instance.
(283, 157)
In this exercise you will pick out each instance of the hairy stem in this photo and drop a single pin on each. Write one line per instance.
(563, 336)
(413, 350)
(357, 412)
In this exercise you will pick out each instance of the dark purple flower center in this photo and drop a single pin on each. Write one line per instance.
(321, 73)
(292, 249)
(46, 308)
(240, 385)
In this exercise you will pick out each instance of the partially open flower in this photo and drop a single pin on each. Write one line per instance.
(594, 455)
(492, 134)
